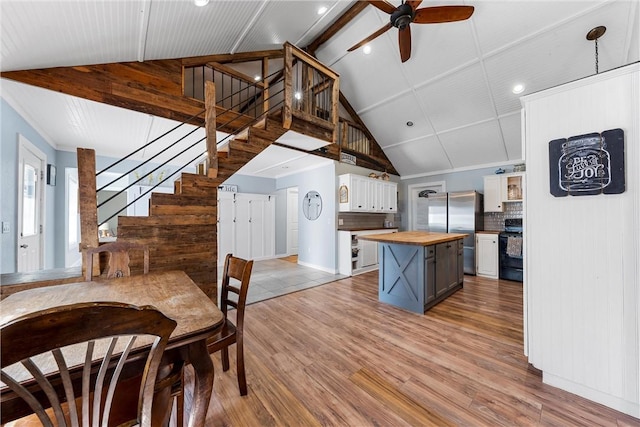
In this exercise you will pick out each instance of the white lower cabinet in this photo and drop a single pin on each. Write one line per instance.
(487, 255)
(355, 255)
(246, 226)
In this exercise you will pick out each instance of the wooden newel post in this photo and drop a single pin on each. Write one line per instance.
(88, 205)
(287, 116)
(210, 128)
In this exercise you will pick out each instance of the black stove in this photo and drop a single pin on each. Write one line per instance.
(510, 247)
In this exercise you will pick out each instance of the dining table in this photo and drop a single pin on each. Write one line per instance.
(171, 292)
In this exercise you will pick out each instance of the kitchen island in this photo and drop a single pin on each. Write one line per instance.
(418, 269)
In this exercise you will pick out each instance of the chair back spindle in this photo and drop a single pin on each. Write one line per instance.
(73, 351)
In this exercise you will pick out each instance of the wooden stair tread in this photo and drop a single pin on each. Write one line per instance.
(181, 199)
(166, 220)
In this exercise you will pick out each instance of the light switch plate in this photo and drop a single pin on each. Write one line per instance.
(5, 227)
(340, 221)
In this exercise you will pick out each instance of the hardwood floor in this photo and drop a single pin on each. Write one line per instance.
(334, 356)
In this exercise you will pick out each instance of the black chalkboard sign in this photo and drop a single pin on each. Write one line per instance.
(587, 164)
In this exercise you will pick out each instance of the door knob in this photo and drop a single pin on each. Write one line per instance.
(24, 246)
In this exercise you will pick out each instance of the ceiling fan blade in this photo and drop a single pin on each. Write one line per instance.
(404, 40)
(414, 3)
(439, 14)
(383, 5)
(371, 37)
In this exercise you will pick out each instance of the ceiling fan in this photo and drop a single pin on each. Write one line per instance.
(407, 13)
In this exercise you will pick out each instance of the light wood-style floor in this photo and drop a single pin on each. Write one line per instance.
(334, 356)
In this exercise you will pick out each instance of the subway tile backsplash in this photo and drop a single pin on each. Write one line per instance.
(495, 220)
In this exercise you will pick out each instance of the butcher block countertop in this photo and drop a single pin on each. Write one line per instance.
(421, 238)
(366, 228)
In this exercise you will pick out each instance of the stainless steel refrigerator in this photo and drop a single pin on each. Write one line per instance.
(458, 212)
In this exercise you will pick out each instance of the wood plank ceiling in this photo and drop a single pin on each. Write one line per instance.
(456, 88)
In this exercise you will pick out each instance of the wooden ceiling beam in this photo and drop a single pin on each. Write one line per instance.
(233, 57)
(338, 24)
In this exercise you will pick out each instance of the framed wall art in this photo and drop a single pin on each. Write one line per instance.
(51, 174)
(343, 194)
(587, 164)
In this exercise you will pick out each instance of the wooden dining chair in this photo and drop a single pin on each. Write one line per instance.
(89, 372)
(238, 270)
(118, 263)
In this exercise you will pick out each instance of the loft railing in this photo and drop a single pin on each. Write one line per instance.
(234, 90)
(311, 91)
(303, 88)
(353, 137)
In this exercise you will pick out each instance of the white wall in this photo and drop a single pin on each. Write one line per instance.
(582, 252)
(317, 240)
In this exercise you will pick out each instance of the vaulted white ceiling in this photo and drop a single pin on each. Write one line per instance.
(456, 88)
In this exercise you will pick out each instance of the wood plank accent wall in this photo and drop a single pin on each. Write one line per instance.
(582, 272)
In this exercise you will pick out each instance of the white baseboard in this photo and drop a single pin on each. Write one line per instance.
(614, 402)
(318, 267)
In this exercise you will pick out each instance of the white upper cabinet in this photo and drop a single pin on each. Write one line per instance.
(357, 193)
(499, 189)
(493, 193)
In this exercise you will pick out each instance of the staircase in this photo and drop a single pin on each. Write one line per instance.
(181, 228)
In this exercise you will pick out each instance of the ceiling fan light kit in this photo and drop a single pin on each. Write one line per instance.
(402, 16)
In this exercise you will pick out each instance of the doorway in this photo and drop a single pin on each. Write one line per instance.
(292, 221)
(418, 203)
(31, 180)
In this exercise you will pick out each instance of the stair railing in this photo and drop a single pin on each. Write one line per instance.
(304, 89)
(240, 101)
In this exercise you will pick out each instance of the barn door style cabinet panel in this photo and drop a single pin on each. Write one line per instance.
(246, 226)
(357, 193)
(418, 269)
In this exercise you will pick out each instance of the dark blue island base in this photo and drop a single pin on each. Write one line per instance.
(419, 269)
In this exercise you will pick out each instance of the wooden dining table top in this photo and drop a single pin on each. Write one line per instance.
(171, 292)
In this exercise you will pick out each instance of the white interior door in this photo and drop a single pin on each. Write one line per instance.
(292, 221)
(31, 182)
(226, 226)
(242, 246)
(418, 212)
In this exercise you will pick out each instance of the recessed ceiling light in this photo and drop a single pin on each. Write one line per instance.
(256, 78)
(322, 10)
(201, 3)
(366, 49)
(518, 88)
(409, 123)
